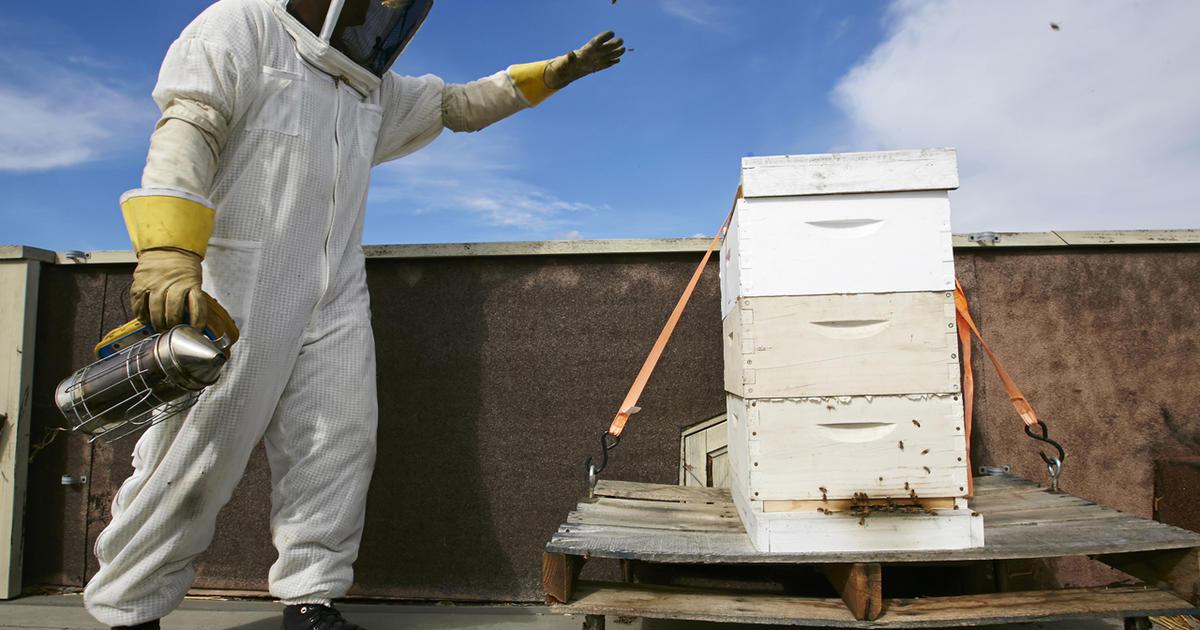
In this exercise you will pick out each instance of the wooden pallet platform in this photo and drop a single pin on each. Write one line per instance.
(654, 523)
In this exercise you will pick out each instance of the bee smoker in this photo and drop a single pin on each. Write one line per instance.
(141, 384)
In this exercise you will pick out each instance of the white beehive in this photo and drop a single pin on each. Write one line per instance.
(844, 412)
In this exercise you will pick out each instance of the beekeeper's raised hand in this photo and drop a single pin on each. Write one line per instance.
(166, 289)
(599, 53)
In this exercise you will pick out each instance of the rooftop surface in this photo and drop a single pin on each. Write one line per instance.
(66, 612)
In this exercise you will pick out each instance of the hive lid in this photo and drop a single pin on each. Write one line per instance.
(835, 173)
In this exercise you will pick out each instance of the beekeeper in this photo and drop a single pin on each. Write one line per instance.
(273, 113)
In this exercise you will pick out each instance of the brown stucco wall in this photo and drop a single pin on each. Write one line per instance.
(498, 373)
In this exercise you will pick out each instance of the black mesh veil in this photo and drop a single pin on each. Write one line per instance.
(374, 32)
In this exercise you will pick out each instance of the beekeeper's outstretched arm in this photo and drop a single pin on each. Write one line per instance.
(475, 105)
(534, 81)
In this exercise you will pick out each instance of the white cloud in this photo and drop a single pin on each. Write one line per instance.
(58, 115)
(701, 12)
(1094, 125)
(472, 173)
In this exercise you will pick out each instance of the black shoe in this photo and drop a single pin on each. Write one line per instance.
(149, 625)
(315, 617)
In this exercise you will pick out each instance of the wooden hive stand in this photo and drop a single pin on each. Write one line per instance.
(663, 526)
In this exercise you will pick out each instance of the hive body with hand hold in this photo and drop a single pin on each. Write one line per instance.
(842, 378)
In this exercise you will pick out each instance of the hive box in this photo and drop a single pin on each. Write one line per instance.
(834, 345)
(845, 415)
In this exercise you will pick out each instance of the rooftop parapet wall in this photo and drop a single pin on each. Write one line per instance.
(500, 363)
(1060, 238)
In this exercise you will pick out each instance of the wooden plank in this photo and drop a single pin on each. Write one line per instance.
(692, 509)
(994, 608)
(559, 574)
(835, 345)
(1081, 238)
(724, 519)
(542, 248)
(860, 585)
(719, 474)
(97, 257)
(1057, 515)
(1010, 239)
(18, 321)
(1019, 499)
(735, 547)
(1177, 570)
(1129, 237)
(660, 492)
(1040, 606)
(829, 173)
(691, 465)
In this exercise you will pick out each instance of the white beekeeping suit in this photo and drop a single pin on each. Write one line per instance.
(268, 135)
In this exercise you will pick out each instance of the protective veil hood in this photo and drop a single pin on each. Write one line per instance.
(372, 33)
(320, 54)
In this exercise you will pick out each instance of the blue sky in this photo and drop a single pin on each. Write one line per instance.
(1091, 125)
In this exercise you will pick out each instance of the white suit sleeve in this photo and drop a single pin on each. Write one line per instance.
(411, 116)
(475, 105)
(204, 85)
(415, 110)
(182, 153)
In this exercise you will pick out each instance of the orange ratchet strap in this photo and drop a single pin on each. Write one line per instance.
(1024, 409)
(1014, 393)
(629, 405)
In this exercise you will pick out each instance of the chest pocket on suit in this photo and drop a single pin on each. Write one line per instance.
(369, 119)
(278, 105)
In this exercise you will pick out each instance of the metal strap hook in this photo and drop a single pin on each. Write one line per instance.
(605, 447)
(1053, 464)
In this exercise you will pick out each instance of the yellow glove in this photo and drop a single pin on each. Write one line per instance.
(599, 53)
(169, 229)
(165, 283)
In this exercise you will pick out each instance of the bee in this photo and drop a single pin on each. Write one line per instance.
(916, 424)
(927, 471)
(925, 452)
(902, 445)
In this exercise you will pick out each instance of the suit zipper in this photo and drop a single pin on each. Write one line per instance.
(337, 175)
